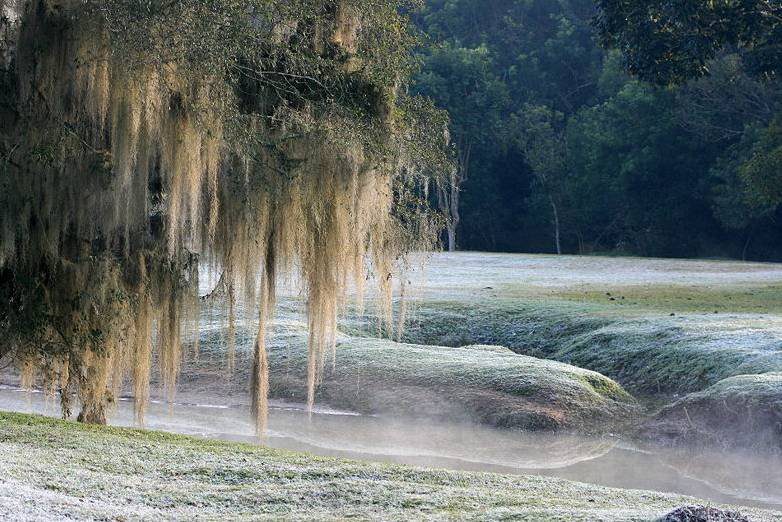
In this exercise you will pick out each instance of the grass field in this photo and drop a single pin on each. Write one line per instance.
(53, 470)
(656, 326)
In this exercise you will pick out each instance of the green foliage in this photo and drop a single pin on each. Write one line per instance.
(632, 162)
(762, 170)
(671, 42)
(486, 64)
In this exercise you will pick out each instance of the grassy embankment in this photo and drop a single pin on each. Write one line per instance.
(52, 470)
(656, 340)
(486, 384)
(743, 411)
(659, 328)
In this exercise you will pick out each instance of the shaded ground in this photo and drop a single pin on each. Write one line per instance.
(53, 470)
(743, 411)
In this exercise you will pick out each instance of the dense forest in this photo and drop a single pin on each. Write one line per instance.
(560, 149)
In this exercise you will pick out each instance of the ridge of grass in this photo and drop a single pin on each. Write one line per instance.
(647, 354)
(486, 384)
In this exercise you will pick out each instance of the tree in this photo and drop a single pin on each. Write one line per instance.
(637, 177)
(140, 139)
(462, 81)
(734, 44)
(731, 199)
(721, 107)
(485, 62)
(672, 42)
(542, 139)
(762, 166)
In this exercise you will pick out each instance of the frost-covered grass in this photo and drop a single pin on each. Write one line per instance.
(519, 275)
(486, 384)
(656, 326)
(743, 411)
(648, 355)
(53, 470)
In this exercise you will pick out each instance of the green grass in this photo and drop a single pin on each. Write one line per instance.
(679, 299)
(51, 470)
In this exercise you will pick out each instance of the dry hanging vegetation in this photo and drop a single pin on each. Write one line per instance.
(140, 139)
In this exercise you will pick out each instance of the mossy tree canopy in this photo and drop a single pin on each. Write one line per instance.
(140, 139)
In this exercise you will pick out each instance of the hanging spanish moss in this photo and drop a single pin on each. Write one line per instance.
(141, 140)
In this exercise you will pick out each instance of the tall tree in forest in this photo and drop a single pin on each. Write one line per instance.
(542, 138)
(462, 80)
(140, 139)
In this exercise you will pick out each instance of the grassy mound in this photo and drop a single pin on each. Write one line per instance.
(740, 412)
(647, 353)
(487, 384)
(56, 470)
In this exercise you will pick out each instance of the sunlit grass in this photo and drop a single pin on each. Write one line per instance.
(766, 299)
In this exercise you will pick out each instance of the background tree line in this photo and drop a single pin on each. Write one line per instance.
(559, 149)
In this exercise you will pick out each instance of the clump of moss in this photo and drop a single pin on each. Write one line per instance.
(259, 138)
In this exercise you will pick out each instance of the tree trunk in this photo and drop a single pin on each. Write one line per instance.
(451, 238)
(557, 242)
(746, 246)
(448, 197)
(94, 397)
(454, 211)
(93, 413)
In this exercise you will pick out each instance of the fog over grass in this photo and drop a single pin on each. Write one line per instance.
(54, 470)
(653, 330)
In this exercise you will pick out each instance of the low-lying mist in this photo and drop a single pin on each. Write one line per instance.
(729, 477)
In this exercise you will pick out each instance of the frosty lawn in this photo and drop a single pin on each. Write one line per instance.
(52, 470)
(650, 324)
